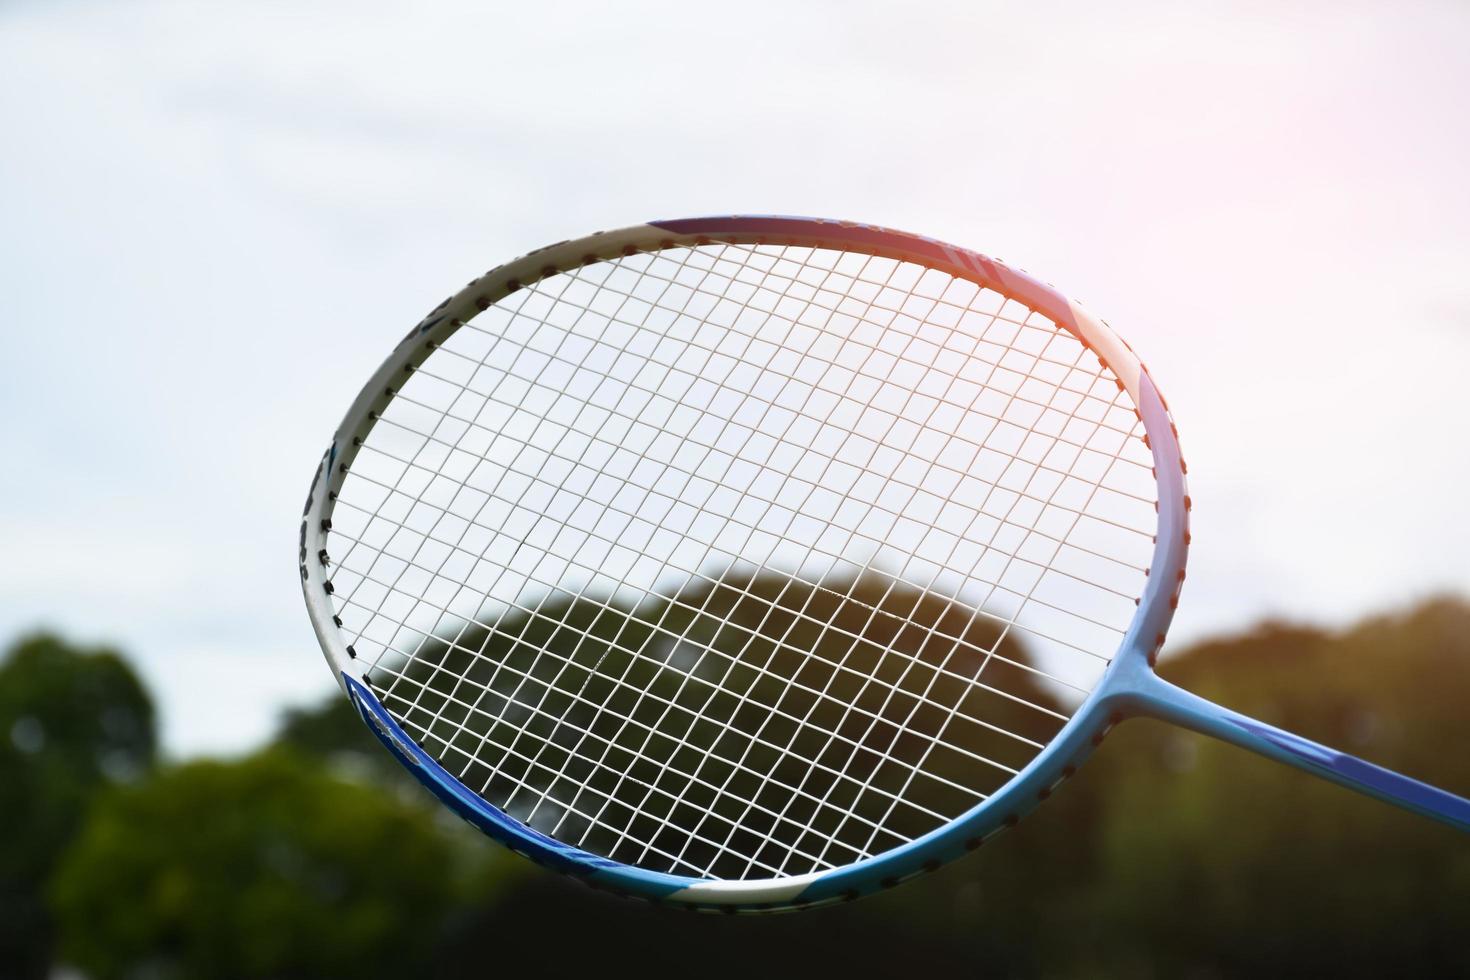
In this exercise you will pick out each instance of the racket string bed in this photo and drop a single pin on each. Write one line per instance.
(757, 683)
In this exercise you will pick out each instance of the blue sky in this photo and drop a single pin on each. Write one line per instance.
(216, 218)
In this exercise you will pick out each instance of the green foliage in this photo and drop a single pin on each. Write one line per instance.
(1166, 855)
(333, 734)
(264, 867)
(72, 720)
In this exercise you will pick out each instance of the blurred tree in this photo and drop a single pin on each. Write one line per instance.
(333, 733)
(266, 867)
(1166, 855)
(72, 720)
(331, 728)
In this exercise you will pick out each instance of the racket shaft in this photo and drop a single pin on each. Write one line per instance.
(1155, 697)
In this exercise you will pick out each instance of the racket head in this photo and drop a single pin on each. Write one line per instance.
(1137, 646)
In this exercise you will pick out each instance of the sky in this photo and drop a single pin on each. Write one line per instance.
(217, 218)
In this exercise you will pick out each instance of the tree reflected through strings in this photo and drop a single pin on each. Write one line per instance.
(744, 725)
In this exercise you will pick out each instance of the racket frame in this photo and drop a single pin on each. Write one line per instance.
(1127, 686)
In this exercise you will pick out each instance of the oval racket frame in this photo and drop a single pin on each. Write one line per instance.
(1104, 707)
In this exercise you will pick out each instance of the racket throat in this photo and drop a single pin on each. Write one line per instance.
(1137, 690)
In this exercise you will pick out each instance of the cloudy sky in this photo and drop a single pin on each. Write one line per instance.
(216, 218)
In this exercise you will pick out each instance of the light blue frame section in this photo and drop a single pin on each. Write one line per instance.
(1141, 691)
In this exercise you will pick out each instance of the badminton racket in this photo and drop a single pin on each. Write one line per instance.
(756, 563)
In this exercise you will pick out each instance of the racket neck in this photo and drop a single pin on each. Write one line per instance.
(1137, 690)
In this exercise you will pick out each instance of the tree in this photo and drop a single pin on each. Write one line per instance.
(265, 867)
(72, 721)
